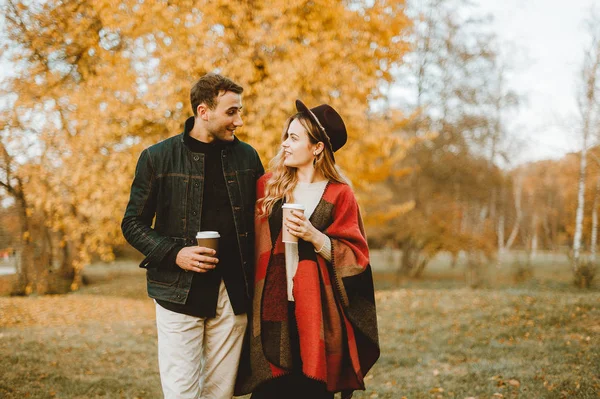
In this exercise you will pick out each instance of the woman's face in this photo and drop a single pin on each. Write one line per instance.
(298, 150)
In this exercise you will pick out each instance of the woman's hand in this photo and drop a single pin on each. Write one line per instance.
(299, 226)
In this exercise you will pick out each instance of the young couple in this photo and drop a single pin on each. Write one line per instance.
(301, 317)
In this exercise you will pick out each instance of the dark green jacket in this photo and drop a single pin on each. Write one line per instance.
(168, 187)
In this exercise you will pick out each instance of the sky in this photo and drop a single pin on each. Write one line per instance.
(544, 40)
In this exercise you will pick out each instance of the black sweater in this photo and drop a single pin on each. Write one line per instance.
(216, 215)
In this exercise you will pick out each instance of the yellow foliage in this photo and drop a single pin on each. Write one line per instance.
(391, 213)
(101, 80)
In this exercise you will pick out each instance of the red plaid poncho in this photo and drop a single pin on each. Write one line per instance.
(335, 304)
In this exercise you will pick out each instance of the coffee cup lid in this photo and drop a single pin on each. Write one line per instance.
(294, 206)
(208, 234)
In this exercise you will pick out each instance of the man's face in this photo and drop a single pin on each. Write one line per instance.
(225, 118)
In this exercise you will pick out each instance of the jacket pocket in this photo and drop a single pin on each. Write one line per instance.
(163, 277)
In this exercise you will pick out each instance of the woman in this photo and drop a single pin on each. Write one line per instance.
(314, 329)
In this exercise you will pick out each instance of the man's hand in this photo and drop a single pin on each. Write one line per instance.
(196, 259)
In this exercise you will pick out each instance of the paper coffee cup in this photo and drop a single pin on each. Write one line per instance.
(208, 239)
(287, 211)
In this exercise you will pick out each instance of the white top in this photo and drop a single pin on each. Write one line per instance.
(309, 195)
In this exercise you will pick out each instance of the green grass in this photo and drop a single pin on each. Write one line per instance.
(438, 339)
(88, 360)
(472, 343)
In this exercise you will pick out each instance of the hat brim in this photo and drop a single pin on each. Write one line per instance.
(301, 107)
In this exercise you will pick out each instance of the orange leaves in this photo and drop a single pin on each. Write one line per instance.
(108, 80)
(514, 383)
(509, 387)
(393, 212)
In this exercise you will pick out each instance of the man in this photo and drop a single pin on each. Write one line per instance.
(203, 179)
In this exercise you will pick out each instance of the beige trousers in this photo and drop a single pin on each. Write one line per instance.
(199, 357)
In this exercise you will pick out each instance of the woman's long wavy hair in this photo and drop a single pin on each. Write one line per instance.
(284, 179)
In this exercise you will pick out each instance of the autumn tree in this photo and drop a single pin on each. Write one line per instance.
(12, 185)
(447, 77)
(97, 81)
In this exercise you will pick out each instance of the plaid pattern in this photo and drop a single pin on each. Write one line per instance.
(335, 304)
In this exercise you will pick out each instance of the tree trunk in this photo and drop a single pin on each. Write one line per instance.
(500, 234)
(493, 203)
(24, 283)
(594, 238)
(77, 265)
(580, 205)
(518, 209)
(534, 238)
(502, 246)
(474, 270)
(548, 236)
(406, 262)
(66, 264)
(421, 265)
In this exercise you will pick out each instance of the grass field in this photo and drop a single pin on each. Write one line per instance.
(538, 338)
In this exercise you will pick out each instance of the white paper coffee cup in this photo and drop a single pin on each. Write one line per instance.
(287, 209)
(209, 239)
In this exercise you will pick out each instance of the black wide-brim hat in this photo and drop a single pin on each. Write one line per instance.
(329, 121)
